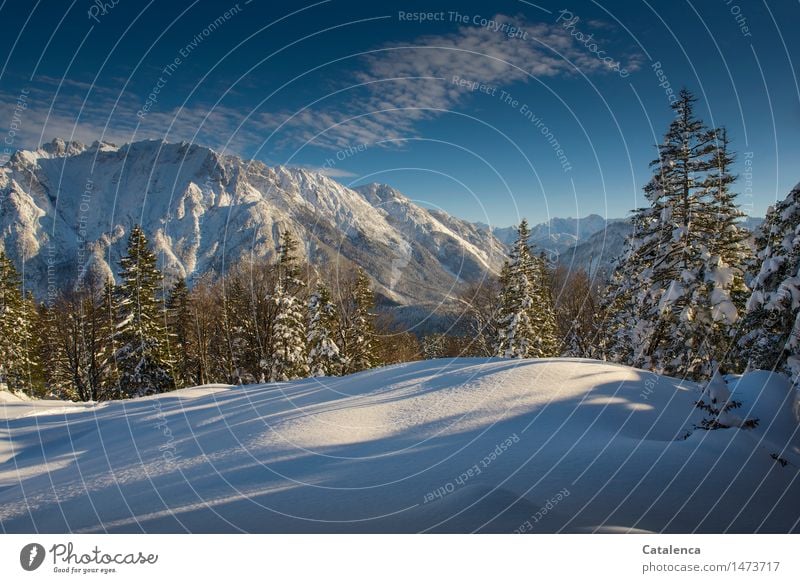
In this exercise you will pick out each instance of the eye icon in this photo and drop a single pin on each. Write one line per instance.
(31, 556)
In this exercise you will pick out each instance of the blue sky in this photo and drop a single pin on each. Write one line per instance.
(369, 91)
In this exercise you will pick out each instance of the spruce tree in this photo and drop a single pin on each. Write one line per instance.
(722, 293)
(771, 328)
(289, 358)
(246, 355)
(289, 355)
(17, 321)
(359, 340)
(526, 326)
(109, 347)
(324, 356)
(142, 357)
(545, 312)
(673, 298)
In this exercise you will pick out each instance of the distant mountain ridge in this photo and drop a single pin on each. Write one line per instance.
(66, 208)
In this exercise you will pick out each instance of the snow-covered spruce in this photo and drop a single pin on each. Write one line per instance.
(358, 339)
(141, 337)
(289, 358)
(771, 328)
(526, 326)
(678, 288)
(324, 357)
(17, 320)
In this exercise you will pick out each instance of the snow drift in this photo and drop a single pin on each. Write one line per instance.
(462, 445)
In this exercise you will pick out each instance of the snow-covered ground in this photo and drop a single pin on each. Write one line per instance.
(443, 446)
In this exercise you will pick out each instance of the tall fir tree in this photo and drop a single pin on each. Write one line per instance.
(721, 296)
(289, 355)
(358, 336)
(141, 356)
(17, 324)
(770, 331)
(526, 325)
(673, 297)
(324, 356)
(289, 358)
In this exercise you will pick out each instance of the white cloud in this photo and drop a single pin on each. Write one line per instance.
(400, 85)
(405, 83)
(330, 172)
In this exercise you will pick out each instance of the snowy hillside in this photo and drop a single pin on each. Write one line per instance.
(446, 445)
(71, 206)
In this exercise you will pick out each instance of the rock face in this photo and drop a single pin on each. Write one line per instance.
(66, 210)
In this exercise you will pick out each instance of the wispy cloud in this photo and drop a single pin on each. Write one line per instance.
(329, 172)
(110, 117)
(401, 84)
(396, 87)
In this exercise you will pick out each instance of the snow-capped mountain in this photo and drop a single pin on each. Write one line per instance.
(555, 235)
(67, 208)
(596, 253)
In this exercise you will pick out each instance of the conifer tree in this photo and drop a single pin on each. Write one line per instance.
(109, 341)
(721, 295)
(526, 326)
(771, 327)
(324, 357)
(141, 356)
(359, 340)
(545, 312)
(673, 298)
(289, 356)
(17, 321)
(247, 353)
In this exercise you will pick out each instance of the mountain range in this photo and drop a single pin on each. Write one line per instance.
(66, 209)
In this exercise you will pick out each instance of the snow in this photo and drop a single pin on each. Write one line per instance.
(674, 292)
(203, 210)
(498, 440)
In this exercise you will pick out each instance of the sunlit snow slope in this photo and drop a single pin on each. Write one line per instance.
(447, 445)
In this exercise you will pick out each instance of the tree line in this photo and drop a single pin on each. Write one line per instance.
(694, 293)
(264, 321)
